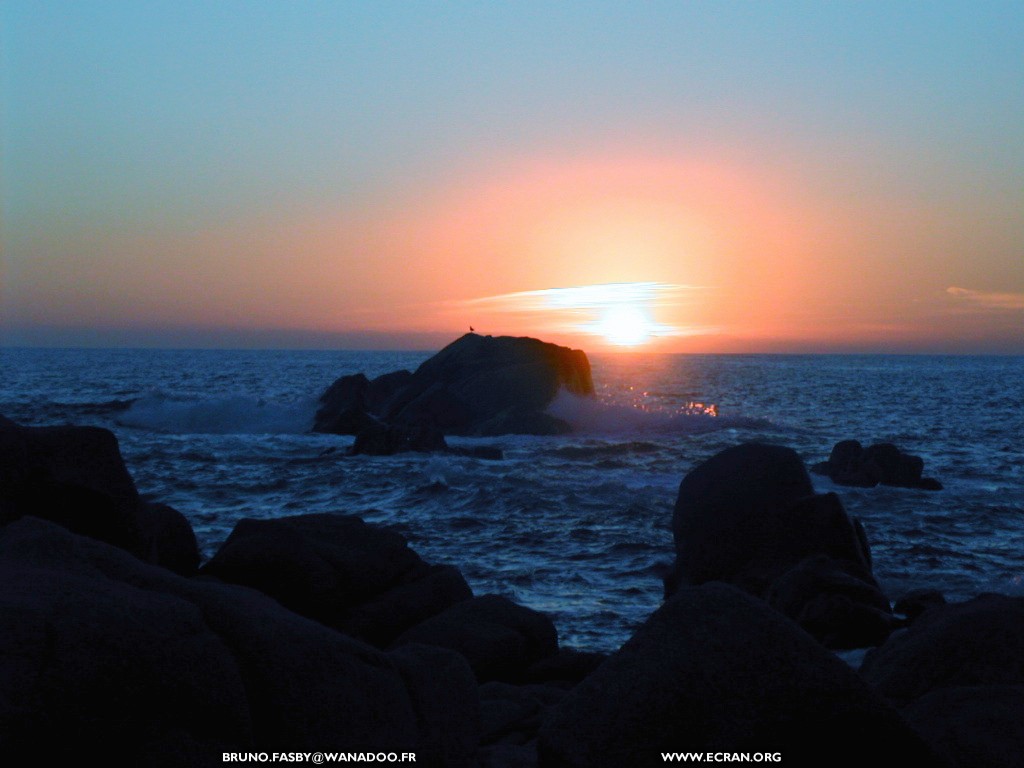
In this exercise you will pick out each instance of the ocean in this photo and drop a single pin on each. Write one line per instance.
(578, 526)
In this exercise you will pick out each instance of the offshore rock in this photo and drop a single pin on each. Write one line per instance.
(477, 385)
(883, 463)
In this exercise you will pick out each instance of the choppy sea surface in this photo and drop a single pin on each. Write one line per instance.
(578, 526)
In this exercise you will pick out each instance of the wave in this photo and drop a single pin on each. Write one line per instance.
(590, 416)
(218, 416)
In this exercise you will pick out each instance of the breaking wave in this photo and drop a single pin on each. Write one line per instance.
(218, 416)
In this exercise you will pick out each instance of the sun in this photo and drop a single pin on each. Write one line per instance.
(625, 325)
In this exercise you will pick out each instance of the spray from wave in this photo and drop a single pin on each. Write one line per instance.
(590, 416)
(160, 412)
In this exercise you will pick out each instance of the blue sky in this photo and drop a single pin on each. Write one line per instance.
(131, 127)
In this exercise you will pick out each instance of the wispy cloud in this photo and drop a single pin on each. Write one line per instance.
(600, 296)
(987, 301)
(593, 308)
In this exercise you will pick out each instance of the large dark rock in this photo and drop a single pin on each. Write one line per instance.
(477, 385)
(425, 592)
(513, 714)
(76, 477)
(167, 538)
(714, 670)
(749, 516)
(499, 638)
(979, 642)
(347, 405)
(103, 656)
(836, 601)
(94, 665)
(444, 696)
(973, 725)
(73, 476)
(336, 569)
(734, 505)
(915, 602)
(882, 463)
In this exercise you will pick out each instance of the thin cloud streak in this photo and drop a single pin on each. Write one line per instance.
(987, 301)
(585, 308)
(649, 294)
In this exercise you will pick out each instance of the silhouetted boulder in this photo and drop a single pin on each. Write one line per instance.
(978, 642)
(972, 725)
(883, 463)
(499, 638)
(358, 578)
(73, 476)
(167, 538)
(477, 385)
(749, 516)
(447, 706)
(917, 601)
(836, 601)
(729, 506)
(566, 668)
(513, 714)
(714, 670)
(97, 665)
(424, 592)
(105, 657)
(76, 477)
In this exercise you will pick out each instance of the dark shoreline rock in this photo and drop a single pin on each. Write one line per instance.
(748, 516)
(715, 670)
(111, 647)
(477, 385)
(357, 578)
(76, 477)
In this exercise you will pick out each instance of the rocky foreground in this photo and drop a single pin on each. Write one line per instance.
(324, 633)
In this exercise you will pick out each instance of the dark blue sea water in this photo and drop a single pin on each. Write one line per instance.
(578, 526)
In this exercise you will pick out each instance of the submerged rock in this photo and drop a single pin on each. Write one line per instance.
(477, 385)
(882, 463)
(749, 516)
(379, 439)
(714, 670)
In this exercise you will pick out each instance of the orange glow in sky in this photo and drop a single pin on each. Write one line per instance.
(668, 252)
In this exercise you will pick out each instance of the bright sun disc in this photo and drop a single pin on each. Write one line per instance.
(625, 326)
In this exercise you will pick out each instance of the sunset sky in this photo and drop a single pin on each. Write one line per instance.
(678, 176)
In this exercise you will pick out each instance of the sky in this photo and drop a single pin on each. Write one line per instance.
(671, 176)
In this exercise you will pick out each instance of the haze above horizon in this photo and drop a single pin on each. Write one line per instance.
(713, 177)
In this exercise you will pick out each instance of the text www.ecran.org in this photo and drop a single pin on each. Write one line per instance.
(722, 757)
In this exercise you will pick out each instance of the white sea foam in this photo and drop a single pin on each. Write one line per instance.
(218, 416)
